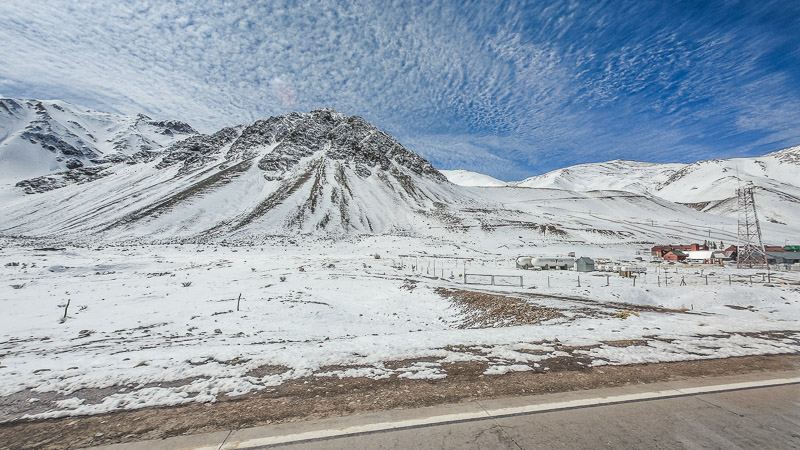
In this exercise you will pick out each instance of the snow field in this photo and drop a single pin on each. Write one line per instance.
(158, 325)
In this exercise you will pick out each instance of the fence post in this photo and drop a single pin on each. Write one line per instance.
(634, 281)
(729, 280)
(579, 281)
(548, 281)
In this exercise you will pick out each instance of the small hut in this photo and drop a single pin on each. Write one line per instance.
(584, 264)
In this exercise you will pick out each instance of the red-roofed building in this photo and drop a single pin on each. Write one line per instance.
(674, 255)
(660, 251)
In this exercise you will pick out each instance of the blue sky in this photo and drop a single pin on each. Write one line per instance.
(510, 89)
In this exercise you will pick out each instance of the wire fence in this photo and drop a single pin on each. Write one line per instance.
(477, 271)
(494, 280)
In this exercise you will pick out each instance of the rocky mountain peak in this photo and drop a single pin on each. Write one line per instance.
(329, 134)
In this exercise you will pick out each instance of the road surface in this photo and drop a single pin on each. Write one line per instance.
(753, 411)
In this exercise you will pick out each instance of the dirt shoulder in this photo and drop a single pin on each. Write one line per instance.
(320, 397)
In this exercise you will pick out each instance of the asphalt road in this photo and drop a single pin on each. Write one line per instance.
(749, 419)
(752, 411)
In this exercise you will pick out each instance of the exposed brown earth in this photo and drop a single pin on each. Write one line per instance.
(319, 397)
(484, 310)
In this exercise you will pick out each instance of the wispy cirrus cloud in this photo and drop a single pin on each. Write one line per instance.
(510, 89)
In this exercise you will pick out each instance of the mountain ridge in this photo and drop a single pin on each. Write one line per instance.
(39, 138)
(328, 174)
(322, 171)
(708, 185)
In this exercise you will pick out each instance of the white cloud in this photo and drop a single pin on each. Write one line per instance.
(552, 82)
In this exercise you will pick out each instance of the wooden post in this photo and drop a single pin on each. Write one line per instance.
(634, 281)
(66, 307)
(238, 301)
(607, 280)
(548, 281)
(579, 281)
(729, 280)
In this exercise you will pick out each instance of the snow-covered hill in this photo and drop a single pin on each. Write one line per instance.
(708, 186)
(44, 137)
(468, 178)
(620, 175)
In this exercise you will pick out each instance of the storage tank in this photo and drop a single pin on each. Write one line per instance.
(524, 262)
(553, 263)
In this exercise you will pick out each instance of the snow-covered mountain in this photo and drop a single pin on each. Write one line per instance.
(319, 172)
(328, 174)
(468, 178)
(45, 137)
(619, 175)
(708, 186)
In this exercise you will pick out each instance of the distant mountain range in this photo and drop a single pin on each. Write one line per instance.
(41, 137)
(77, 175)
(708, 186)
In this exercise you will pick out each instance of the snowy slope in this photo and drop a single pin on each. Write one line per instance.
(468, 178)
(320, 172)
(42, 137)
(621, 175)
(706, 185)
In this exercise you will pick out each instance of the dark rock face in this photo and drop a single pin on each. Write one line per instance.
(196, 151)
(170, 127)
(74, 163)
(349, 139)
(61, 179)
(40, 131)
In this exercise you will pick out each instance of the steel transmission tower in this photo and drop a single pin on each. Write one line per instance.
(750, 250)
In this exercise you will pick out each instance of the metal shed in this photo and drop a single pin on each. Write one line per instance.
(584, 264)
(784, 257)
